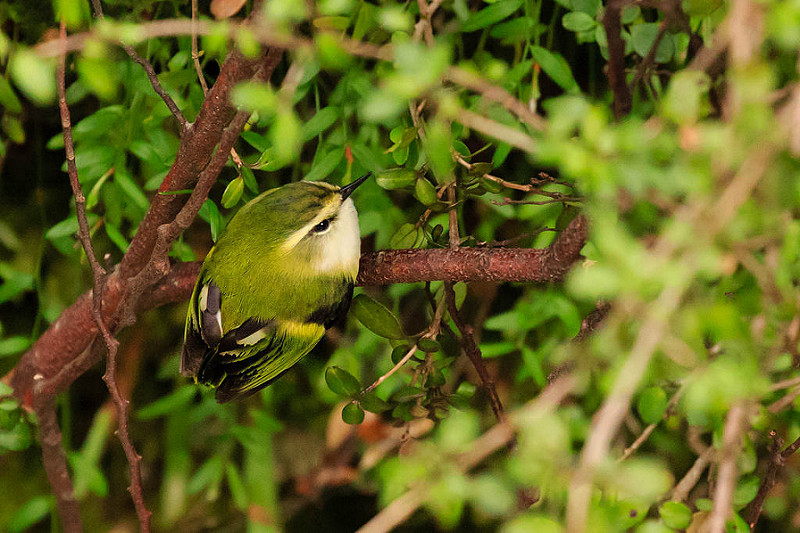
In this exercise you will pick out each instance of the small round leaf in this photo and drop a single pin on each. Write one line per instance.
(353, 414)
(429, 345)
(425, 192)
(370, 402)
(652, 405)
(341, 381)
(675, 514)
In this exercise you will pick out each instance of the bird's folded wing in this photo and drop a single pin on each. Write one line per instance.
(244, 359)
(255, 354)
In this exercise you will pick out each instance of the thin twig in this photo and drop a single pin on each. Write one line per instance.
(268, 37)
(649, 60)
(630, 450)
(98, 279)
(492, 128)
(784, 402)
(610, 415)
(151, 74)
(495, 93)
(692, 476)
(776, 462)
(237, 160)
(474, 353)
(195, 52)
(496, 438)
(394, 369)
(430, 332)
(735, 426)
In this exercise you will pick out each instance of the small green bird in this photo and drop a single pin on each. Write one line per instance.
(279, 276)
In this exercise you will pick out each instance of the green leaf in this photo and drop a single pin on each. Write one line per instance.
(233, 193)
(237, 487)
(675, 514)
(491, 15)
(407, 393)
(285, 136)
(8, 98)
(208, 475)
(631, 13)
(14, 345)
(249, 180)
(652, 405)
(425, 192)
(399, 352)
(325, 164)
(396, 178)
(437, 144)
(32, 512)
(254, 96)
(643, 36)
(321, 121)
(555, 66)
(406, 236)
(13, 283)
(376, 317)
(370, 402)
(34, 75)
(353, 414)
(131, 189)
(342, 382)
(577, 21)
(428, 345)
(365, 20)
(210, 213)
(171, 403)
(746, 490)
(116, 236)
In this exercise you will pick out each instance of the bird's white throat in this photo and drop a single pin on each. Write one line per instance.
(340, 247)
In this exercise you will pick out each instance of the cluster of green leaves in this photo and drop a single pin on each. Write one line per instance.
(339, 116)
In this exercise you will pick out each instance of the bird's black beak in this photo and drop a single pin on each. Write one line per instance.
(347, 190)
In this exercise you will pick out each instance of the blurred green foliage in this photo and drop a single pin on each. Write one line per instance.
(677, 240)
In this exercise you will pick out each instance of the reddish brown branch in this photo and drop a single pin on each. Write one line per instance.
(477, 264)
(612, 22)
(58, 351)
(474, 353)
(98, 278)
(777, 460)
(195, 151)
(55, 464)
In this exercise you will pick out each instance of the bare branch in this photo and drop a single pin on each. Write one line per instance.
(151, 74)
(735, 426)
(692, 476)
(496, 438)
(98, 279)
(195, 51)
(474, 353)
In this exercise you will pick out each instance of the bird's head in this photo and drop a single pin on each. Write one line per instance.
(312, 225)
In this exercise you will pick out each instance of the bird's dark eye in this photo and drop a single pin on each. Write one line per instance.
(322, 226)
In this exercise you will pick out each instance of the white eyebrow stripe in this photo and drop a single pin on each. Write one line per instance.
(298, 235)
